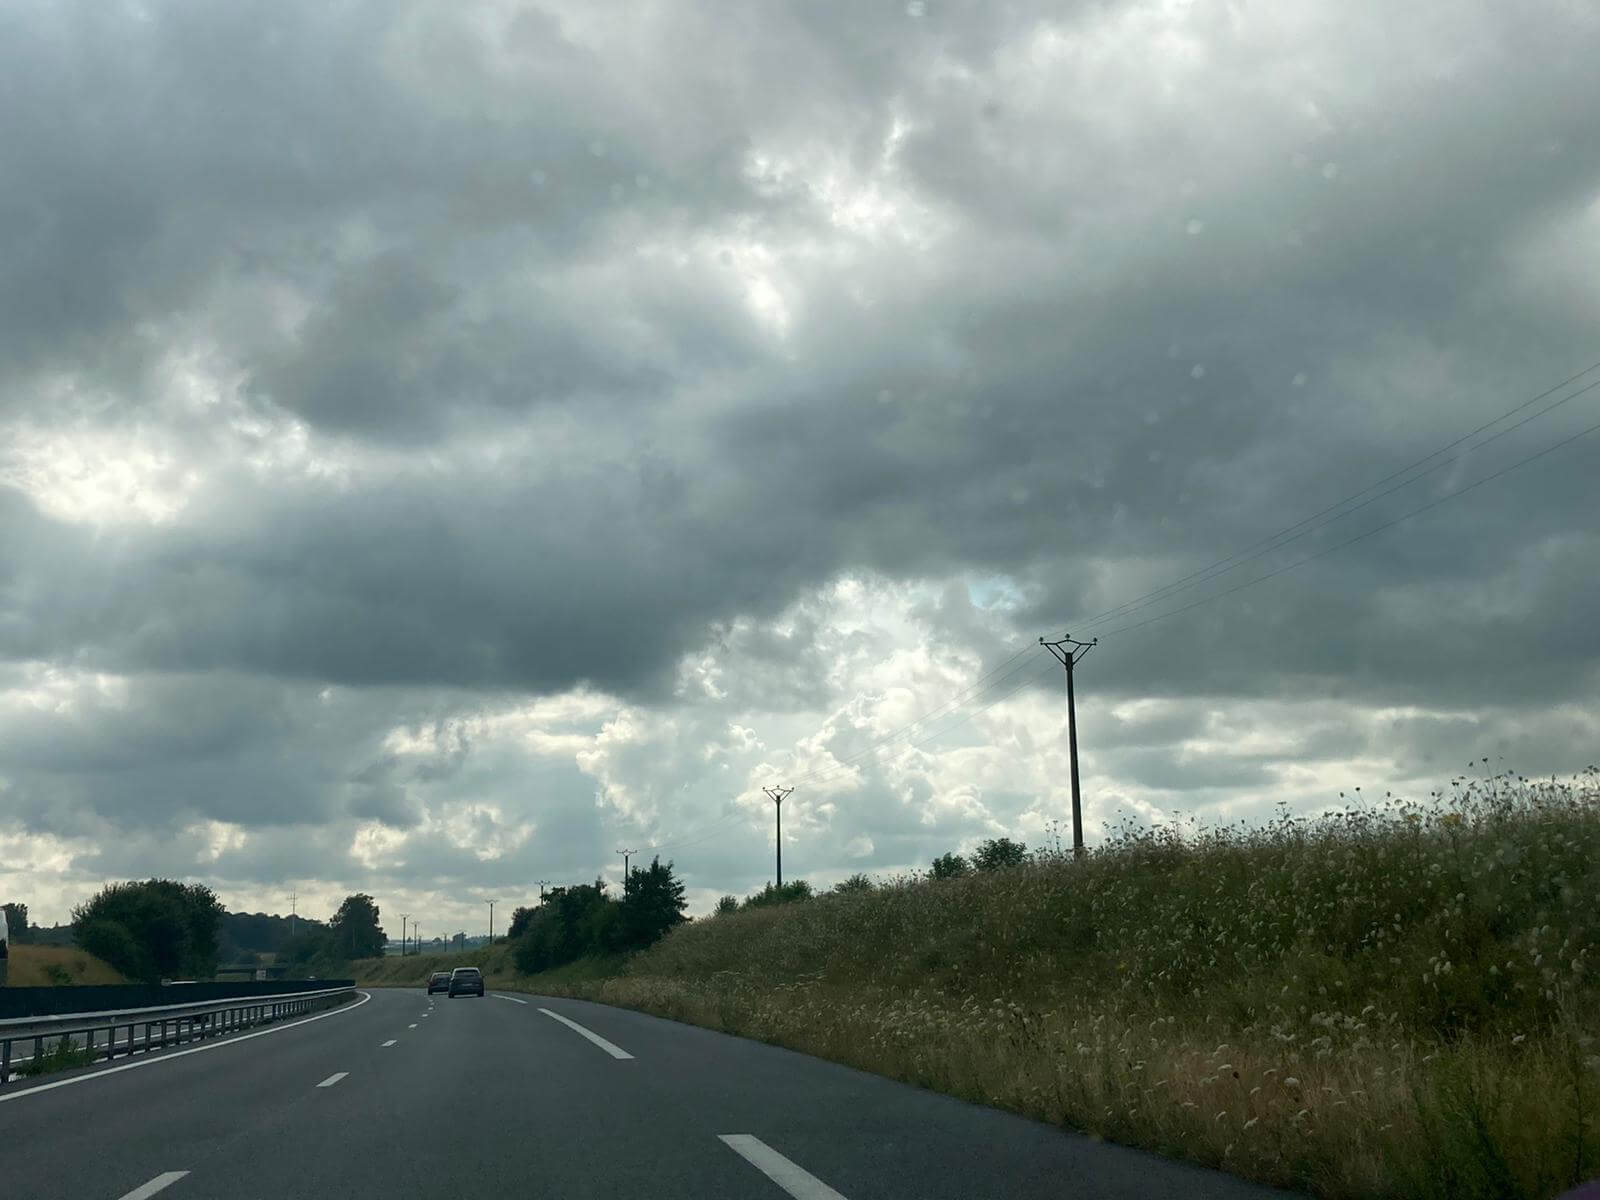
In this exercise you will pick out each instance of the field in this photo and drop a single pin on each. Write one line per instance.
(46, 966)
(1397, 999)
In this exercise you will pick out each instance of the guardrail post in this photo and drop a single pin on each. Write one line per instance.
(5, 1060)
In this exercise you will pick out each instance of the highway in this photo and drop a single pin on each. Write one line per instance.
(401, 1095)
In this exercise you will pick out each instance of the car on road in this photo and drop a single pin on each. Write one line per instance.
(439, 981)
(465, 980)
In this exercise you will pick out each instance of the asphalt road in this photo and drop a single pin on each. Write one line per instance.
(400, 1096)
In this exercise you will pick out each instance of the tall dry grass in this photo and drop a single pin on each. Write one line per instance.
(52, 966)
(1397, 999)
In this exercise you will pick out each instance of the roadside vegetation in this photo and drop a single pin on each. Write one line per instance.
(58, 966)
(1395, 999)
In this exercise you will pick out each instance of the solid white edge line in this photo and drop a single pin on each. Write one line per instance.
(795, 1180)
(610, 1048)
(513, 999)
(164, 1180)
(159, 1057)
(334, 1078)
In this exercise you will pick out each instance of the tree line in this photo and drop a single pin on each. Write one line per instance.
(162, 929)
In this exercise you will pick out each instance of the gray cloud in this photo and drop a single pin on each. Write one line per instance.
(469, 356)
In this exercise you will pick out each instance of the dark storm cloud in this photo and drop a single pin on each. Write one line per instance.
(610, 342)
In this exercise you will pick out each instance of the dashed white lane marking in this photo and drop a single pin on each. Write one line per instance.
(175, 1054)
(795, 1180)
(610, 1048)
(413, 1025)
(391, 1042)
(162, 1181)
(513, 999)
(333, 1079)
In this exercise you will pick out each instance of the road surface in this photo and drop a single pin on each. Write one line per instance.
(401, 1095)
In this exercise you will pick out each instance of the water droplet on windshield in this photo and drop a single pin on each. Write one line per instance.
(1330, 170)
(1198, 371)
(916, 8)
(538, 178)
(1194, 226)
(597, 148)
(1299, 379)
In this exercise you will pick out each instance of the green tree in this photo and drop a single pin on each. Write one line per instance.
(520, 918)
(949, 866)
(727, 905)
(152, 930)
(652, 904)
(853, 886)
(571, 923)
(16, 922)
(999, 853)
(355, 931)
(790, 893)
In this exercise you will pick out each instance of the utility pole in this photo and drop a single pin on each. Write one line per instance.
(416, 932)
(1069, 652)
(403, 917)
(541, 883)
(293, 899)
(777, 795)
(490, 903)
(626, 854)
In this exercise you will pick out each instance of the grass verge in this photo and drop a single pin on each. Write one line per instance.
(57, 966)
(60, 1057)
(1391, 1000)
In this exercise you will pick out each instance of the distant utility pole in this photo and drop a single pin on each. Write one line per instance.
(416, 932)
(778, 794)
(1069, 652)
(293, 899)
(541, 883)
(490, 903)
(626, 854)
(403, 917)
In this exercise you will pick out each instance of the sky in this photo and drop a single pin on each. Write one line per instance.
(444, 445)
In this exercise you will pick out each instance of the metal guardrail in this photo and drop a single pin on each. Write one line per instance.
(119, 1033)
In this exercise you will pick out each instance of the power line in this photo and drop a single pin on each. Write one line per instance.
(1306, 525)
(1506, 470)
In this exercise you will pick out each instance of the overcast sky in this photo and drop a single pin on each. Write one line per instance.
(441, 444)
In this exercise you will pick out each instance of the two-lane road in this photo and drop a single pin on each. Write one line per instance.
(512, 1095)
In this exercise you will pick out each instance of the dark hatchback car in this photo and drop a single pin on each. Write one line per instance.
(439, 981)
(466, 981)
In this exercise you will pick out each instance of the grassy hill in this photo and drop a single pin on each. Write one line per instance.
(45, 966)
(1393, 1000)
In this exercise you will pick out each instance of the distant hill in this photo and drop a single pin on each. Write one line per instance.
(244, 935)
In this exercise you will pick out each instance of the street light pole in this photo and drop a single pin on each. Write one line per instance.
(490, 903)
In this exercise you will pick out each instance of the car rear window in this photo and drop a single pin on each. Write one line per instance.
(466, 970)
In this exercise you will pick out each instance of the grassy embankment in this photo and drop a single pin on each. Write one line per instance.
(48, 966)
(1397, 1000)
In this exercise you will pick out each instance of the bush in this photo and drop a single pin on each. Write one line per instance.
(772, 895)
(998, 853)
